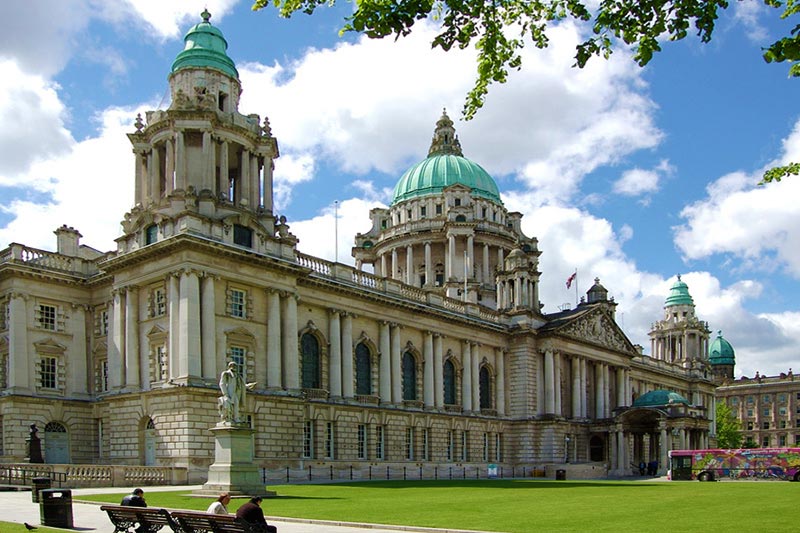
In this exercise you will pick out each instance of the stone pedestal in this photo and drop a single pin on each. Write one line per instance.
(233, 470)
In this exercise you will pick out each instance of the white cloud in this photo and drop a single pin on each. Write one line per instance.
(757, 225)
(320, 234)
(749, 13)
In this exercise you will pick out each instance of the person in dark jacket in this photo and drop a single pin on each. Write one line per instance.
(135, 499)
(252, 513)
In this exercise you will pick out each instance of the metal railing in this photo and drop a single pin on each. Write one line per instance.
(321, 474)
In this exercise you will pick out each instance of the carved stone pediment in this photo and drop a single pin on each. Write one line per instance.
(597, 328)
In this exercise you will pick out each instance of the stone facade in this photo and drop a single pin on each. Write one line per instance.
(768, 408)
(441, 357)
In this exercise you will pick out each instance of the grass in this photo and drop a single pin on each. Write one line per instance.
(523, 506)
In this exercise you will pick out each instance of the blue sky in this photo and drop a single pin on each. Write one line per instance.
(627, 174)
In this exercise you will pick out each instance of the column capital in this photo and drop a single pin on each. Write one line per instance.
(17, 294)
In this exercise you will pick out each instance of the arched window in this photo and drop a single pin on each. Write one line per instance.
(449, 376)
(363, 369)
(485, 388)
(309, 346)
(409, 377)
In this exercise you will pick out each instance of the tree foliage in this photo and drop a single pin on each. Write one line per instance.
(729, 429)
(500, 29)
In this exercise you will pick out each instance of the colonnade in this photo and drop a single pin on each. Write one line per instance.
(156, 178)
(555, 364)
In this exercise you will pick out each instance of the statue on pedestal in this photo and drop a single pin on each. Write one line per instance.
(34, 446)
(233, 388)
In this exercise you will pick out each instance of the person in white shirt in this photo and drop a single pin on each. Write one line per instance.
(221, 505)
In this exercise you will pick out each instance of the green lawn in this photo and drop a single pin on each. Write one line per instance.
(531, 506)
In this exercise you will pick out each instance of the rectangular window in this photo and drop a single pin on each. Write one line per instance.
(797, 423)
(47, 317)
(765, 411)
(451, 444)
(782, 440)
(243, 236)
(457, 202)
(423, 211)
(797, 439)
(48, 368)
(765, 425)
(362, 441)
(782, 424)
(750, 413)
(238, 303)
(330, 440)
(498, 447)
(162, 362)
(767, 398)
(750, 400)
(485, 447)
(104, 375)
(410, 444)
(438, 209)
(782, 398)
(464, 447)
(734, 401)
(782, 411)
(237, 355)
(308, 440)
(380, 442)
(750, 425)
(765, 442)
(159, 302)
(426, 456)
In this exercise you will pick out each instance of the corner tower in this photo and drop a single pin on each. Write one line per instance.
(722, 358)
(201, 166)
(447, 232)
(680, 337)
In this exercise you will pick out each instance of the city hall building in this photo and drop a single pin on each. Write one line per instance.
(432, 351)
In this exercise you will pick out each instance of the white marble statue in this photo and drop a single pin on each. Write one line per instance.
(233, 389)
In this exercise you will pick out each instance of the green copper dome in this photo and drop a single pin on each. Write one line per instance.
(445, 166)
(679, 295)
(658, 398)
(205, 48)
(721, 352)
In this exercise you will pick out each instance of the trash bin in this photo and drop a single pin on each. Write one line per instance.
(561, 475)
(55, 508)
(39, 484)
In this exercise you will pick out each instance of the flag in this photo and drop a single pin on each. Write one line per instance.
(571, 278)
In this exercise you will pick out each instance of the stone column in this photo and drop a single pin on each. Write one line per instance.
(291, 353)
(429, 274)
(274, 336)
(244, 178)
(599, 404)
(584, 390)
(385, 363)
(549, 383)
(335, 340)
(427, 368)
(169, 172)
(410, 265)
(255, 179)
(347, 355)
(116, 349)
(180, 161)
(438, 379)
(132, 379)
(486, 272)
(224, 168)
(267, 180)
(395, 273)
(382, 273)
(18, 375)
(476, 375)
(80, 374)
(451, 256)
(470, 257)
(206, 150)
(606, 393)
(139, 169)
(664, 449)
(576, 387)
(174, 324)
(557, 383)
(189, 332)
(208, 322)
(397, 369)
(622, 461)
(466, 379)
(500, 364)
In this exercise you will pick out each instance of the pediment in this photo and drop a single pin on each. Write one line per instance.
(49, 346)
(597, 327)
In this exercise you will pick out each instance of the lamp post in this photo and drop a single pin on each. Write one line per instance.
(566, 448)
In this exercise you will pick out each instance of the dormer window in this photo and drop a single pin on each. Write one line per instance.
(438, 209)
(423, 211)
(408, 214)
(151, 234)
(222, 101)
(457, 202)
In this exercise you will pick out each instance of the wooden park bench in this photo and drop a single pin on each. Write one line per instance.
(149, 519)
(197, 522)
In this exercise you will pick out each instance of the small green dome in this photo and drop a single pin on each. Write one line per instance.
(205, 48)
(659, 398)
(679, 295)
(721, 352)
(445, 166)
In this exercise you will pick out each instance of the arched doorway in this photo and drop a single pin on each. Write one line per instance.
(56, 444)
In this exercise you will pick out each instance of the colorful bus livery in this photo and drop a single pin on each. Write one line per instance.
(756, 463)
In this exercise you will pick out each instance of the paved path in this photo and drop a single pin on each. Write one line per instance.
(16, 506)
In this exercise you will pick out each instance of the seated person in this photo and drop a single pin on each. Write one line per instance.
(252, 514)
(134, 499)
(220, 506)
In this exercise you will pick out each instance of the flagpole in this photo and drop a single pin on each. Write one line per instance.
(465, 276)
(336, 230)
(576, 286)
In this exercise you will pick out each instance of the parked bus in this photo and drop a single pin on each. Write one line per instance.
(755, 463)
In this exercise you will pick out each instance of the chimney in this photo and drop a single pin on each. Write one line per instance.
(68, 240)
